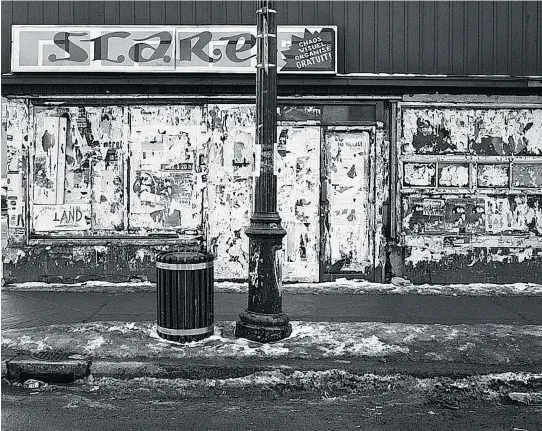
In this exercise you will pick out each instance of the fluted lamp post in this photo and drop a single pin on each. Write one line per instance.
(263, 320)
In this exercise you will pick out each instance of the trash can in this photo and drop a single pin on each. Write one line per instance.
(185, 295)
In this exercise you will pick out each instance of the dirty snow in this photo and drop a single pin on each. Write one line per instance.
(340, 286)
(336, 381)
(487, 343)
(92, 345)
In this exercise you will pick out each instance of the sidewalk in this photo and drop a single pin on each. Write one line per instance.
(37, 308)
(114, 335)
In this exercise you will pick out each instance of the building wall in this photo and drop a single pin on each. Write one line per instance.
(470, 191)
(97, 191)
(432, 188)
(441, 37)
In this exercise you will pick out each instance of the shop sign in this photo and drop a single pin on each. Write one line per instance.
(217, 49)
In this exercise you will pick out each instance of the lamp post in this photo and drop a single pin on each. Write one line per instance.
(263, 320)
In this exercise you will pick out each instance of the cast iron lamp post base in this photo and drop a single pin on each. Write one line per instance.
(263, 320)
(264, 328)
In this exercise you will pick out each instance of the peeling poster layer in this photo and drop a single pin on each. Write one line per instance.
(137, 170)
(17, 137)
(495, 156)
(77, 169)
(167, 156)
(484, 132)
(348, 247)
(231, 130)
(298, 183)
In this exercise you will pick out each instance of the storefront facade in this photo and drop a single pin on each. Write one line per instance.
(433, 178)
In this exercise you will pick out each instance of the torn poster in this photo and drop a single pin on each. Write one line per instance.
(63, 217)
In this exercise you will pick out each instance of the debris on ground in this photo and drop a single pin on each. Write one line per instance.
(33, 384)
(527, 398)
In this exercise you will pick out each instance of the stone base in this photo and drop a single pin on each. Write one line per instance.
(263, 328)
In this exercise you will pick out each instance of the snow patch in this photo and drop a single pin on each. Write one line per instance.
(92, 345)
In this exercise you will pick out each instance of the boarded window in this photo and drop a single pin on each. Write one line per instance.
(527, 175)
(77, 170)
(489, 170)
(419, 174)
(167, 156)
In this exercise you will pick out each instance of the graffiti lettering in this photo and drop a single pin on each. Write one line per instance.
(72, 215)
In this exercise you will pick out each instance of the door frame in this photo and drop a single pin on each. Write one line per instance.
(325, 205)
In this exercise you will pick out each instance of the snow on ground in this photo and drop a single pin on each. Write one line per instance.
(340, 286)
(335, 382)
(488, 343)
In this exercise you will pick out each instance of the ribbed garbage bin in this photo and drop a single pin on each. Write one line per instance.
(185, 295)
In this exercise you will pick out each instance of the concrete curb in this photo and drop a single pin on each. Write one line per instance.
(234, 369)
(24, 367)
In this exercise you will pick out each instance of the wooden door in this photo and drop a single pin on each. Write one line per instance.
(347, 204)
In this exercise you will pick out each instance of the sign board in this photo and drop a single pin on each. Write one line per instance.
(212, 49)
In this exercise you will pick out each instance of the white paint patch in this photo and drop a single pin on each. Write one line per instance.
(418, 255)
(454, 176)
(12, 255)
(141, 254)
(419, 174)
(100, 248)
(493, 175)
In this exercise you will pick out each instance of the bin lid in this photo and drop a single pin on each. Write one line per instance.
(184, 257)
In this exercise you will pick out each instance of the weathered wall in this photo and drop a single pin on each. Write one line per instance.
(471, 196)
(71, 262)
(105, 178)
(231, 170)
(74, 179)
(18, 135)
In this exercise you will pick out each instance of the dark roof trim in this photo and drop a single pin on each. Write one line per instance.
(249, 80)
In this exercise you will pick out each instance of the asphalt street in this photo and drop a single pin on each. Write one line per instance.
(141, 407)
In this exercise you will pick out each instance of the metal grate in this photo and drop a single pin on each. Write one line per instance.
(50, 356)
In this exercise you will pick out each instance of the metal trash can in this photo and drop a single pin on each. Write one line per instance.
(185, 295)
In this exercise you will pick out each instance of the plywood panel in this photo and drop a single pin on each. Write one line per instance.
(65, 12)
(348, 244)
(231, 165)
(442, 37)
(413, 34)
(166, 181)
(487, 32)
(427, 38)
(398, 37)
(298, 185)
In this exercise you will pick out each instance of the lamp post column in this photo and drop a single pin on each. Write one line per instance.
(263, 320)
